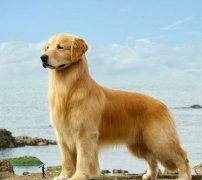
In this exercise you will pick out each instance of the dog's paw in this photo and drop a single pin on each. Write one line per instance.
(55, 178)
(79, 176)
(63, 176)
(149, 176)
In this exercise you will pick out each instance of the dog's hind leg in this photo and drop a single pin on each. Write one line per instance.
(163, 141)
(176, 159)
(142, 152)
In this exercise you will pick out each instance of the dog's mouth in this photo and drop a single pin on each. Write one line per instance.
(46, 65)
(60, 67)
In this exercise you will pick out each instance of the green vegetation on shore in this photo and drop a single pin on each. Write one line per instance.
(54, 168)
(25, 161)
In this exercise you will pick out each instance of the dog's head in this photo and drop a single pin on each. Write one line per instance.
(62, 50)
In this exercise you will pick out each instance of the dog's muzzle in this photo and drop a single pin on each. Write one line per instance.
(44, 59)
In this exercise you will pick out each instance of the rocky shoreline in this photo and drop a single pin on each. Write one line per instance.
(33, 141)
(7, 140)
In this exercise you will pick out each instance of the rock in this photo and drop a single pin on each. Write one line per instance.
(125, 171)
(6, 169)
(25, 173)
(6, 139)
(196, 106)
(42, 144)
(105, 171)
(119, 171)
(33, 141)
(198, 169)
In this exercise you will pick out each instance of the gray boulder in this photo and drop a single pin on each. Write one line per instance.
(196, 106)
(6, 139)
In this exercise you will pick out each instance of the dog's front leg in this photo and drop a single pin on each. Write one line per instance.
(68, 160)
(87, 156)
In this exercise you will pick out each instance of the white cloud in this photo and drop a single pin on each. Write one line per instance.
(176, 23)
(135, 60)
(145, 60)
(19, 57)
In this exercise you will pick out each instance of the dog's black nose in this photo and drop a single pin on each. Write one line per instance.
(44, 58)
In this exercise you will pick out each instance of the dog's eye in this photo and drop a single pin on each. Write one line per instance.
(46, 48)
(60, 47)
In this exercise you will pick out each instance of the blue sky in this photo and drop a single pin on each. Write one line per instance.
(144, 39)
(173, 21)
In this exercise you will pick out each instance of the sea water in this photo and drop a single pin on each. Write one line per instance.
(24, 111)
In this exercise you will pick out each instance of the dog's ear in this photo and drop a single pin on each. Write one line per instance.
(78, 48)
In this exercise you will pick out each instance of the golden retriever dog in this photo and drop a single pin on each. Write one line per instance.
(86, 116)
